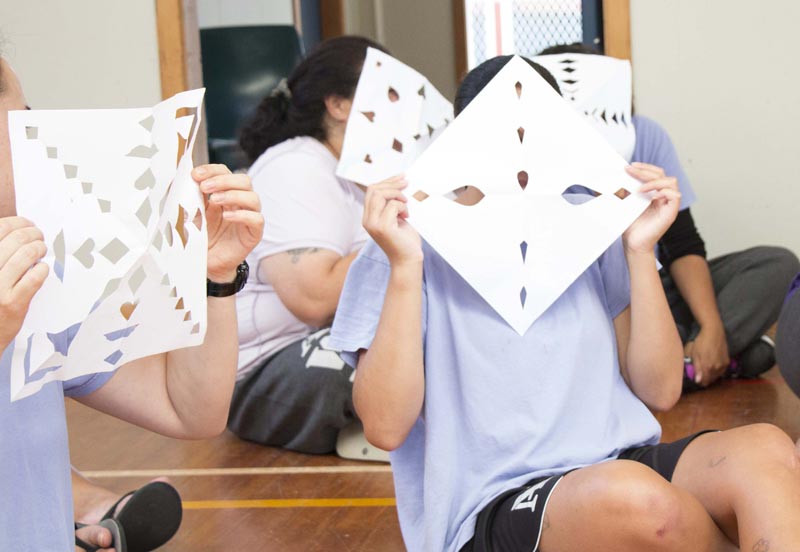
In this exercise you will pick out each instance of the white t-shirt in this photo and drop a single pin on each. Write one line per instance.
(304, 205)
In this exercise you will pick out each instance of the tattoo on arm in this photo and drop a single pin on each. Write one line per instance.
(296, 253)
(761, 546)
(714, 462)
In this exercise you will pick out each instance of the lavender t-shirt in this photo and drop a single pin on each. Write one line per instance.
(654, 146)
(500, 409)
(35, 486)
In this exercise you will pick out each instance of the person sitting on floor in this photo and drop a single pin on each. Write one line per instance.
(293, 390)
(546, 441)
(182, 394)
(724, 306)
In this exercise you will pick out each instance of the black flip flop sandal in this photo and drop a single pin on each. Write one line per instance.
(117, 537)
(150, 518)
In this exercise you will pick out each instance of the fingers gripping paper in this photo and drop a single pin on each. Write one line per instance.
(396, 114)
(600, 88)
(124, 225)
(523, 243)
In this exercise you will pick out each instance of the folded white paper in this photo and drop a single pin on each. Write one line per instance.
(396, 114)
(600, 88)
(124, 224)
(522, 146)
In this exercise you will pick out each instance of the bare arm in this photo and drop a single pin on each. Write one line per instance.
(709, 351)
(389, 388)
(651, 356)
(308, 281)
(186, 393)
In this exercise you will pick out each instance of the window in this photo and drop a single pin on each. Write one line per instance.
(525, 27)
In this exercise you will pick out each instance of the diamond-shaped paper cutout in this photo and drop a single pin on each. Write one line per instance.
(482, 148)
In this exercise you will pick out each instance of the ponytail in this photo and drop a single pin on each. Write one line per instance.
(297, 107)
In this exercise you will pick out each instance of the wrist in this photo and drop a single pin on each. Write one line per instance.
(222, 275)
(408, 272)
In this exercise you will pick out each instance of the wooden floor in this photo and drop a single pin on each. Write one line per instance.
(239, 496)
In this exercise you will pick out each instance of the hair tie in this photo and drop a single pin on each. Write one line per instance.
(282, 89)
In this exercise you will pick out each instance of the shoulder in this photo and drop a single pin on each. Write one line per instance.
(296, 155)
(647, 128)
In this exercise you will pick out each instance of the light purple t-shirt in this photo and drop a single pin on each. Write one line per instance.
(654, 146)
(500, 409)
(35, 487)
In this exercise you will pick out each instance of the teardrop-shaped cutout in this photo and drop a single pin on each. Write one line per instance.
(518, 87)
(521, 134)
(578, 194)
(393, 95)
(522, 178)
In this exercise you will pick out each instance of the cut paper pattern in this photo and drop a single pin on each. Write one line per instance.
(107, 298)
(396, 115)
(522, 245)
(600, 88)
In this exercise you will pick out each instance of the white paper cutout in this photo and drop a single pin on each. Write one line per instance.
(125, 228)
(521, 248)
(396, 114)
(599, 87)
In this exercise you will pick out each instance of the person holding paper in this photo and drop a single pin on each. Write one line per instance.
(293, 390)
(182, 394)
(724, 306)
(544, 440)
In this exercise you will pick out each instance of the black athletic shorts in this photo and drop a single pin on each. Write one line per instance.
(513, 520)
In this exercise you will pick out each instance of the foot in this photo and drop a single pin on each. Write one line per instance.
(757, 358)
(92, 502)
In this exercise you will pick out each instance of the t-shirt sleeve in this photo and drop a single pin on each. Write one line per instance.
(616, 278)
(83, 385)
(304, 205)
(361, 303)
(654, 146)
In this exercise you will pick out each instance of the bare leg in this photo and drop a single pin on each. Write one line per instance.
(748, 480)
(624, 506)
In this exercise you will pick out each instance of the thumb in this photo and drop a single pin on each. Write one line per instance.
(95, 535)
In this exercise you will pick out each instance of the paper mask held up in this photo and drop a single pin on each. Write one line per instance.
(396, 114)
(124, 225)
(524, 242)
(599, 87)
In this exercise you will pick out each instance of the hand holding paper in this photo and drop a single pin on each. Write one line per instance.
(643, 235)
(125, 228)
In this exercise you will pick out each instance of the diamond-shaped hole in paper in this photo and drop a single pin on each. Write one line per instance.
(578, 194)
(622, 193)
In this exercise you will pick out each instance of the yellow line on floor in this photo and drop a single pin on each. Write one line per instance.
(289, 503)
(216, 472)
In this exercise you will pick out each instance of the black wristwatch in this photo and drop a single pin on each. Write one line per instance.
(213, 289)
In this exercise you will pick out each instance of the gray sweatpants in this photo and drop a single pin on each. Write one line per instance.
(298, 399)
(750, 286)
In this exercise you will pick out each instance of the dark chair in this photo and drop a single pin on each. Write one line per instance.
(241, 65)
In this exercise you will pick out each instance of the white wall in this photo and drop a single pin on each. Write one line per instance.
(83, 54)
(723, 77)
(418, 32)
(235, 13)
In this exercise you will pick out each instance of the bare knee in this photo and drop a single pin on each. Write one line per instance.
(765, 446)
(650, 510)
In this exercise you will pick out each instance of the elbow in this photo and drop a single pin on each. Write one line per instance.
(668, 396)
(313, 313)
(387, 439)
